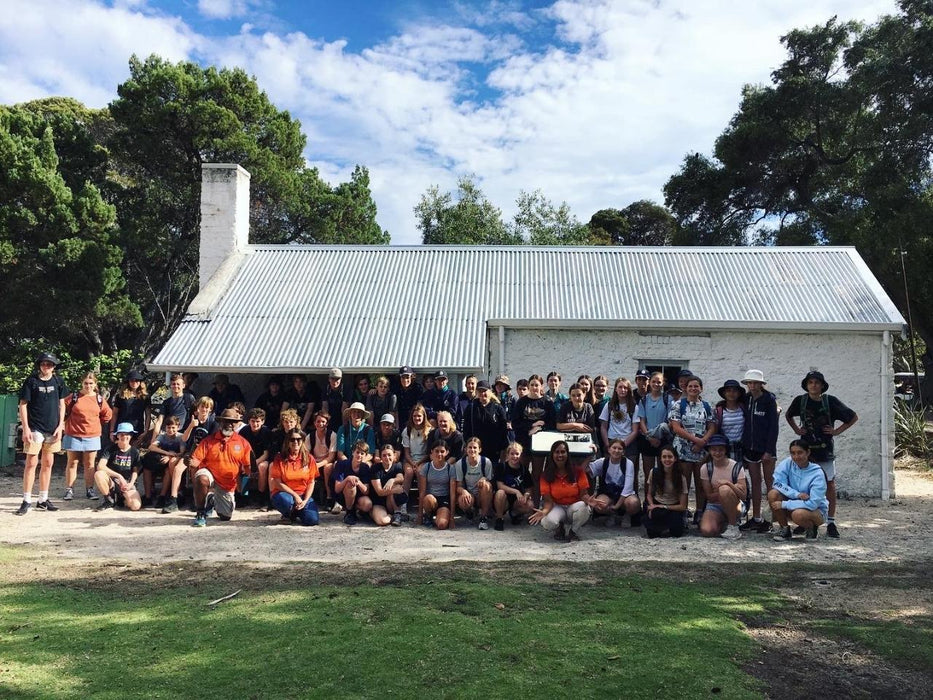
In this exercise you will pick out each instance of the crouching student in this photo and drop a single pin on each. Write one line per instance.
(165, 451)
(799, 493)
(117, 472)
(437, 484)
(615, 485)
(291, 481)
(257, 435)
(387, 491)
(723, 480)
(666, 493)
(513, 488)
(565, 492)
(352, 479)
(219, 460)
(475, 482)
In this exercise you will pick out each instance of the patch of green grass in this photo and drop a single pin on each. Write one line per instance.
(905, 642)
(457, 636)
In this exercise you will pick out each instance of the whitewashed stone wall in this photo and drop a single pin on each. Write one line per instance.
(850, 362)
(224, 216)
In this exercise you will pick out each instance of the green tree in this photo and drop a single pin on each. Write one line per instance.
(640, 223)
(60, 267)
(465, 219)
(836, 150)
(169, 119)
(538, 222)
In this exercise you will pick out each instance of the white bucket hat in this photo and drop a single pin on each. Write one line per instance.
(754, 375)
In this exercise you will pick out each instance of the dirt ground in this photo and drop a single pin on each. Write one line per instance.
(879, 571)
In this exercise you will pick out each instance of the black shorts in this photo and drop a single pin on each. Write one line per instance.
(442, 501)
(646, 448)
(400, 500)
(753, 455)
(153, 462)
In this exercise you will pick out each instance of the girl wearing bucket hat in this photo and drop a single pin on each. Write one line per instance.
(723, 481)
(730, 416)
(354, 429)
(759, 442)
(818, 413)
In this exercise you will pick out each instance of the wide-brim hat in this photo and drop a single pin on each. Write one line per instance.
(230, 414)
(134, 375)
(814, 375)
(356, 406)
(47, 357)
(719, 440)
(754, 375)
(503, 379)
(731, 384)
(125, 428)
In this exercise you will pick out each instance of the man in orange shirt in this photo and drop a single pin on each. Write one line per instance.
(220, 459)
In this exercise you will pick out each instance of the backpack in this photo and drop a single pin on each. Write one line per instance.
(824, 400)
(602, 477)
(483, 461)
(74, 398)
(706, 409)
(667, 405)
(735, 477)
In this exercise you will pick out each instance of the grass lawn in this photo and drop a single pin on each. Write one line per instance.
(452, 630)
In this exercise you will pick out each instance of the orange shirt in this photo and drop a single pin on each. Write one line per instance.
(290, 472)
(563, 492)
(85, 416)
(225, 458)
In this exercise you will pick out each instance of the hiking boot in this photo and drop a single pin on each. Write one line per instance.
(500, 524)
(200, 520)
(69, 494)
(171, 506)
(396, 520)
(783, 535)
(49, 506)
(573, 536)
(813, 532)
(832, 531)
(106, 504)
(560, 535)
(350, 518)
(763, 527)
(91, 494)
(209, 505)
(483, 523)
(24, 508)
(732, 532)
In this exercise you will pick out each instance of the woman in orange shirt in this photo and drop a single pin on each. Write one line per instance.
(565, 491)
(86, 412)
(291, 480)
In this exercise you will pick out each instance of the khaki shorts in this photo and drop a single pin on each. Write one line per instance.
(224, 501)
(46, 444)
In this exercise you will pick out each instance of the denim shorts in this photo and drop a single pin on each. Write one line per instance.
(70, 443)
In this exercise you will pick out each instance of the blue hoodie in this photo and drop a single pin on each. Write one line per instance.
(791, 481)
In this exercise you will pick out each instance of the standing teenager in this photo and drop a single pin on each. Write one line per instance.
(759, 442)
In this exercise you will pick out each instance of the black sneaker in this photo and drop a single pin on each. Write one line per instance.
(49, 506)
(813, 532)
(636, 519)
(106, 504)
(24, 508)
(748, 525)
(350, 518)
(560, 535)
(171, 506)
(783, 534)
(799, 530)
(146, 502)
(396, 520)
(500, 524)
(162, 500)
(832, 531)
(763, 527)
(516, 519)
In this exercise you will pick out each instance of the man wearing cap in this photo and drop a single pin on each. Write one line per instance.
(334, 399)
(409, 393)
(219, 460)
(818, 413)
(224, 393)
(440, 398)
(759, 442)
(117, 471)
(387, 435)
(355, 428)
(42, 414)
(641, 384)
(486, 419)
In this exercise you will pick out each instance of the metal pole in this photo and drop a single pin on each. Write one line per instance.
(910, 327)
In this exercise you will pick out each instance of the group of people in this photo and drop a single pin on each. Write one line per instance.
(301, 450)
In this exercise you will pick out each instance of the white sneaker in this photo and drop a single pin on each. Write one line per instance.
(732, 533)
(69, 494)
(336, 509)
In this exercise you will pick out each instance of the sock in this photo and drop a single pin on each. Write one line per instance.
(27, 497)
(830, 520)
(43, 496)
(757, 520)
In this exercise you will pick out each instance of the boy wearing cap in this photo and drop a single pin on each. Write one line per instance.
(487, 420)
(759, 442)
(387, 435)
(440, 398)
(42, 414)
(220, 459)
(818, 413)
(334, 398)
(117, 472)
(353, 430)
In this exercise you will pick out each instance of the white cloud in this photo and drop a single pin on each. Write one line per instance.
(222, 9)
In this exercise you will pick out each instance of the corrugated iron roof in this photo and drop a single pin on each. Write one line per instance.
(366, 308)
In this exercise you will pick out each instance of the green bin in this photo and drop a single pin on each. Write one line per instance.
(9, 422)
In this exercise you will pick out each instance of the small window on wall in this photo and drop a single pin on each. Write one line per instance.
(670, 368)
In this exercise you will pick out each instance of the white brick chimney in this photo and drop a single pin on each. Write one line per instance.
(224, 216)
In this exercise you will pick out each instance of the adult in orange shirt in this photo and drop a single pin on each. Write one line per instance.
(86, 412)
(565, 490)
(291, 480)
(219, 460)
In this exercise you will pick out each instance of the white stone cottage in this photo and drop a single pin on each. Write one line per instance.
(279, 309)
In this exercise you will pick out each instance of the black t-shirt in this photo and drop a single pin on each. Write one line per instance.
(299, 402)
(529, 411)
(395, 439)
(454, 443)
(42, 398)
(258, 440)
(124, 463)
(334, 400)
(513, 478)
(131, 410)
(813, 416)
(272, 405)
(407, 398)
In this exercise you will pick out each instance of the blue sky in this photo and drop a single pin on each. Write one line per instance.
(594, 102)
